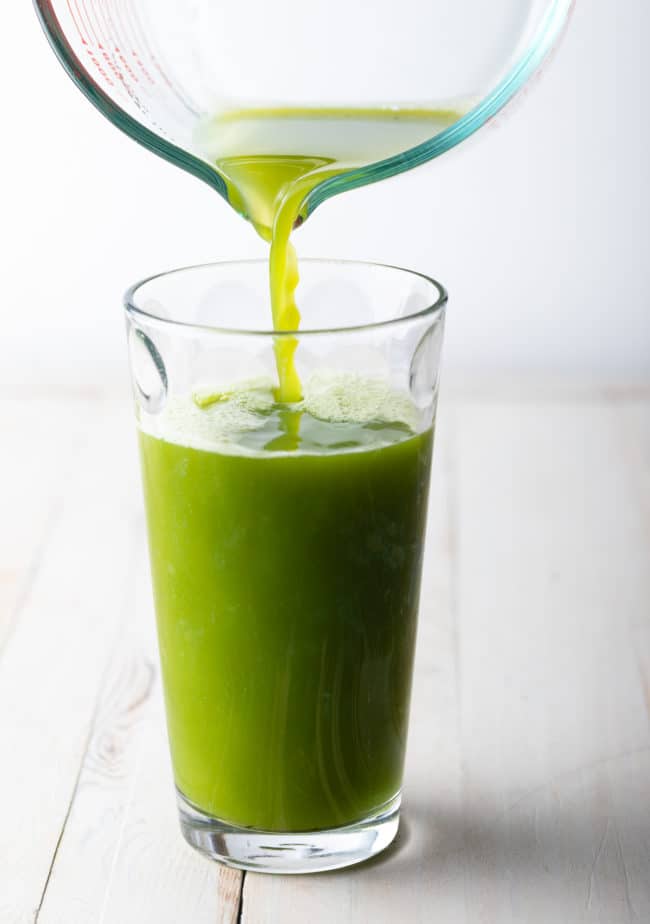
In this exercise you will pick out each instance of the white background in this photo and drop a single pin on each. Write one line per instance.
(539, 226)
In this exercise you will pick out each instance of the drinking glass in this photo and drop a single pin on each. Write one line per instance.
(286, 546)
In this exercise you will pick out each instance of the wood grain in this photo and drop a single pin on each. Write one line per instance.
(53, 662)
(31, 488)
(552, 570)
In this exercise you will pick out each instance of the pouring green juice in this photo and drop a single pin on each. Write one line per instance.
(286, 532)
(271, 159)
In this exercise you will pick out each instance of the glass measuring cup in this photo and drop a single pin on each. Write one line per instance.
(158, 69)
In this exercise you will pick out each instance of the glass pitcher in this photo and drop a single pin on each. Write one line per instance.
(161, 69)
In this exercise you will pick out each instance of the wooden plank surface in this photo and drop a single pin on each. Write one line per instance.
(52, 662)
(552, 571)
(527, 792)
(31, 492)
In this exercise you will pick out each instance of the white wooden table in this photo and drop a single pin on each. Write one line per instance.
(527, 793)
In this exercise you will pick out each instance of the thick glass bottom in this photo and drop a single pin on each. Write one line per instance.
(278, 852)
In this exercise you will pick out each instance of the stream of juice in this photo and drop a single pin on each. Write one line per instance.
(272, 158)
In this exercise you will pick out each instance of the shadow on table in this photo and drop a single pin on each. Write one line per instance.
(577, 826)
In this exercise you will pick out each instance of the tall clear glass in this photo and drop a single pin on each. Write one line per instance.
(286, 546)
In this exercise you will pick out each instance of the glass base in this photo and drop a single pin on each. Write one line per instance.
(303, 852)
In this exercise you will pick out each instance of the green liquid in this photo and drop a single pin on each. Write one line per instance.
(272, 158)
(286, 571)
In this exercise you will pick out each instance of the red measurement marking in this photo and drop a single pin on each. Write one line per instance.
(113, 66)
(163, 72)
(103, 39)
(104, 36)
(143, 67)
(93, 57)
(115, 26)
(91, 27)
(87, 25)
(127, 67)
(128, 22)
(74, 19)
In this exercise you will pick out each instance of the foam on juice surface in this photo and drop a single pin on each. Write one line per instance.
(338, 413)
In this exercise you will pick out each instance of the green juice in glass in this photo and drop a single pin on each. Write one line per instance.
(286, 560)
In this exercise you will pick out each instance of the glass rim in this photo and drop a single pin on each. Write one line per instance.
(434, 309)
